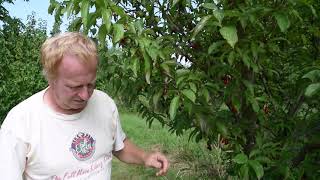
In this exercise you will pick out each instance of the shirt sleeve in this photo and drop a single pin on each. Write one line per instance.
(119, 134)
(12, 156)
(13, 145)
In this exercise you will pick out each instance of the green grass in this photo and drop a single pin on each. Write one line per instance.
(188, 160)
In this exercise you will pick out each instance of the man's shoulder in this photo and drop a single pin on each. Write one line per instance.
(101, 100)
(102, 97)
(29, 103)
(18, 116)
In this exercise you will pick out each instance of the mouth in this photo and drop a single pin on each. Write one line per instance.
(80, 101)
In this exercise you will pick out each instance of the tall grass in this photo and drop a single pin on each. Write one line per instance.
(188, 159)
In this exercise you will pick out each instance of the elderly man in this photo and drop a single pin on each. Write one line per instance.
(69, 130)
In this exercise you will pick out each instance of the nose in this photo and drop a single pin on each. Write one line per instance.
(84, 93)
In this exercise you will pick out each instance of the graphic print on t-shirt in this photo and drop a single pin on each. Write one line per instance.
(83, 146)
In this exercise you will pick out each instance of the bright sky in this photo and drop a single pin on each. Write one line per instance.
(21, 9)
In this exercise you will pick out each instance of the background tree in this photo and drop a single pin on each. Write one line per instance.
(20, 74)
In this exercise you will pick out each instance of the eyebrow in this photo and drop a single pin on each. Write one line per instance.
(72, 83)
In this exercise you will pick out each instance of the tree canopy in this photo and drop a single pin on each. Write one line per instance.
(244, 71)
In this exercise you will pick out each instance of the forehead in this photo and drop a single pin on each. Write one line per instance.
(74, 64)
(71, 67)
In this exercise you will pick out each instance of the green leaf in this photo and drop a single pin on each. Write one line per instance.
(170, 62)
(312, 89)
(156, 97)
(135, 66)
(181, 81)
(102, 35)
(76, 24)
(244, 172)
(263, 159)
(223, 107)
(106, 18)
(254, 153)
(118, 10)
(313, 75)
(297, 15)
(231, 57)
(229, 33)
(144, 43)
(255, 105)
(241, 158)
(236, 102)
(69, 8)
(76, 6)
(193, 87)
(283, 21)
(131, 28)
(153, 52)
(189, 94)
(174, 105)
(182, 72)
(138, 24)
(314, 12)
(210, 6)
(52, 6)
(118, 32)
(244, 21)
(254, 49)
(206, 95)
(219, 15)
(232, 13)
(101, 4)
(262, 98)
(166, 68)
(147, 66)
(200, 25)
(144, 101)
(257, 167)
(84, 14)
(92, 19)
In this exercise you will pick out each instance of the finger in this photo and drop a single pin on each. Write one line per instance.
(160, 173)
(163, 170)
(157, 164)
(165, 163)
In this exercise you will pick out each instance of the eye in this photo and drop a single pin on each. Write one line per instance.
(91, 85)
(75, 87)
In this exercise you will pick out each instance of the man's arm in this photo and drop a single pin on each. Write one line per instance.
(133, 155)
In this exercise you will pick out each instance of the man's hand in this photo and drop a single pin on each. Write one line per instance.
(133, 155)
(159, 161)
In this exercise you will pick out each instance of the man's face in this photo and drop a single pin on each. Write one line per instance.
(73, 84)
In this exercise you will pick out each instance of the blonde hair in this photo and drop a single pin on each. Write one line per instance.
(69, 43)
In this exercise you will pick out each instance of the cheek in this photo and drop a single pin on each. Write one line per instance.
(68, 94)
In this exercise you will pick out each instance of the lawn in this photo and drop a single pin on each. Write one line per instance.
(189, 160)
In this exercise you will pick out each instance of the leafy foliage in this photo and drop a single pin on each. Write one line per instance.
(239, 69)
(20, 74)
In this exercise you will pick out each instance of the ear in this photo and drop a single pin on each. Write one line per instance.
(51, 81)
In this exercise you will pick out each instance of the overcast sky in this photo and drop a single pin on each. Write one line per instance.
(21, 9)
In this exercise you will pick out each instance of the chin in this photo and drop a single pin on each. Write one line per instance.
(79, 106)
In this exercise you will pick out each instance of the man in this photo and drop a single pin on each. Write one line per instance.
(69, 130)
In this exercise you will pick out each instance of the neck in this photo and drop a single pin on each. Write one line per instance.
(50, 100)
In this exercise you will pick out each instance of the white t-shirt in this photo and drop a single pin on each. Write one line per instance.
(37, 143)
